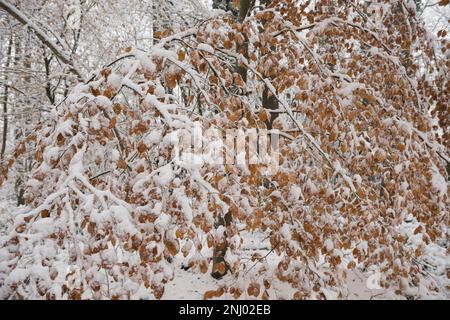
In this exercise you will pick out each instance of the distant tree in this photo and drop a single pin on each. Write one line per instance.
(53, 44)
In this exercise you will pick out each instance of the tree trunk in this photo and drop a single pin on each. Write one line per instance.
(269, 102)
(27, 116)
(5, 102)
(244, 8)
(220, 267)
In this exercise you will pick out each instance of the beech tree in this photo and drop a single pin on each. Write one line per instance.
(356, 94)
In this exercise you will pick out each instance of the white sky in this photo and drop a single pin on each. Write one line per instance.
(437, 17)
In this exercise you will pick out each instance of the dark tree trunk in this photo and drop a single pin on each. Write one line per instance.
(5, 102)
(220, 267)
(269, 102)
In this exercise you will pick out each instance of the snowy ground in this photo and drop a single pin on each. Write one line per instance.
(190, 285)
